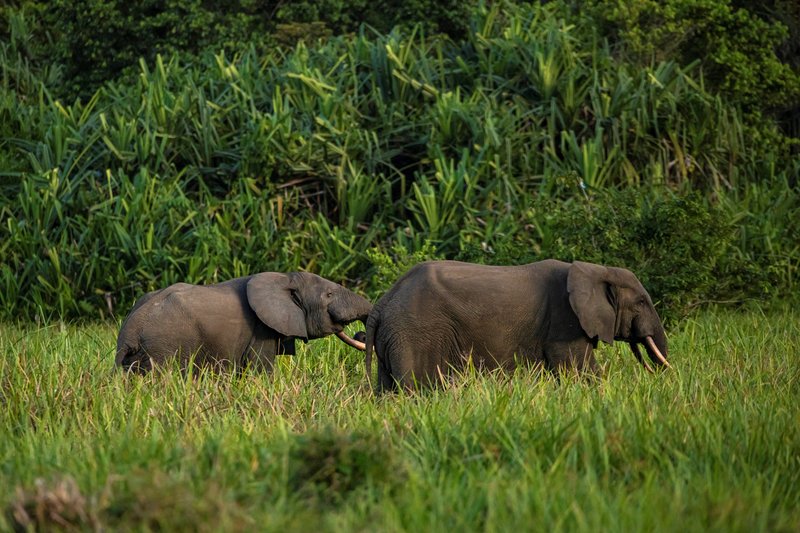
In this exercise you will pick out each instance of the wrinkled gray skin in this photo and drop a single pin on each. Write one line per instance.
(242, 322)
(550, 313)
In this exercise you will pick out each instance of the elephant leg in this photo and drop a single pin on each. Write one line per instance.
(263, 348)
(260, 360)
(402, 369)
(411, 361)
(575, 356)
(385, 381)
(400, 366)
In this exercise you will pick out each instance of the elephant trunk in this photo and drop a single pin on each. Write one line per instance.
(656, 347)
(655, 351)
(638, 355)
(348, 308)
(345, 338)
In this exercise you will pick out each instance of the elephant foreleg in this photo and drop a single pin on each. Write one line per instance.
(566, 357)
(261, 351)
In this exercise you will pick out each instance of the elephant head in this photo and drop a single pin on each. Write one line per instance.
(611, 304)
(306, 306)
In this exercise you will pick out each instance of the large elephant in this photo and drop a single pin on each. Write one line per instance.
(441, 313)
(242, 322)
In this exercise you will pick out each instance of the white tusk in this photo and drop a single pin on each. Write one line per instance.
(351, 341)
(652, 345)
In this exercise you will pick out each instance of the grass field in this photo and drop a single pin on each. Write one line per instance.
(712, 445)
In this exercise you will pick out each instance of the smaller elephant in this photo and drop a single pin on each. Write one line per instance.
(242, 322)
(440, 314)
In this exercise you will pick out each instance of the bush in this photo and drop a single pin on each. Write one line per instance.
(98, 41)
(328, 466)
(389, 266)
(450, 17)
(306, 159)
(738, 51)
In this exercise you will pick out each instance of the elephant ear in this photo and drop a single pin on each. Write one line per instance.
(588, 289)
(270, 296)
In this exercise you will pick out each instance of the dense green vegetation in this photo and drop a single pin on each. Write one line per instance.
(529, 136)
(744, 54)
(91, 42)
(710, 445)
(145, 143)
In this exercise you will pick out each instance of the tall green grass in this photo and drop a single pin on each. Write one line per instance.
(710, 445)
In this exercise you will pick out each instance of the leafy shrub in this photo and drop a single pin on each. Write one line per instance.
(152, 499)
(389, 266)
(91, 246)
(306, 159)
(99, 40)
(328, 466)
(737, 49)
(767, 219)
(448, 16)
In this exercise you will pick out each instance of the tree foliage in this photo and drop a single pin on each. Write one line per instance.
(202, 168)
(745, 49)
(98, 40)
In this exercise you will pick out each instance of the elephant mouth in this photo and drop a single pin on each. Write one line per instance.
(345, 338)
(652, 351)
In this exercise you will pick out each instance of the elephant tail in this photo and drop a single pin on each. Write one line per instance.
(373, 321)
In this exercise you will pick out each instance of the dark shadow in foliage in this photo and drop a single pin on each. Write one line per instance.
(450, 17)
(328, 466)
(100, 40)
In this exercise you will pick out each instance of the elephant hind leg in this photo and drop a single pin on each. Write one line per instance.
(385, 381)
(394, 368)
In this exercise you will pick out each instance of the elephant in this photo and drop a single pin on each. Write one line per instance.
(242, 322)
(441, 314)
